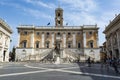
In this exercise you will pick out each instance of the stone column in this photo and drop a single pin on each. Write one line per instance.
(43, 40)
(52, 40)
(32, 43)
(64, 40)
(74, 40)
(97, 39)
(3, 46)
(111, 41)
(84, 39)
(32, 40)
(118, 41)
(7, 51)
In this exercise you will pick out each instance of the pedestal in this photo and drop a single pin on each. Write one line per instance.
(57, 60)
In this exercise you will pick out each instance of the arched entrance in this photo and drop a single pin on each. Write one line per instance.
(4, 54)
(117, 53)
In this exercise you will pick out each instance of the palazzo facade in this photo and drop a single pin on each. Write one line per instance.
(5, 34)
(71, 40)
(112, 34)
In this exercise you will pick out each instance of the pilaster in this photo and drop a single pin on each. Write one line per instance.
(52, 40)
(18, 39)
(32, 39)
(64, 40)
(84, 39)
(43, 39)
(74, 40)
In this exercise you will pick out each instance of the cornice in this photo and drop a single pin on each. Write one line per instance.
(112, 23)
(5, 25)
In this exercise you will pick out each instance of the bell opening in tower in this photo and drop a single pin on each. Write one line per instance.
(59, 17)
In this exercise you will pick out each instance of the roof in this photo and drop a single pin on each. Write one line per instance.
(112, 23)
(59, 8)
(84, 27)
(6, 26)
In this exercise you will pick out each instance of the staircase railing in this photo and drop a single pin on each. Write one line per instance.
(38, 56)
(72, 55)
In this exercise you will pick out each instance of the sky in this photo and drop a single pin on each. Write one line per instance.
(41, 12)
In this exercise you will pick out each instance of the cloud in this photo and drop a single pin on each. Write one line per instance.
(33, 12)
(37, 13)
(40, 3)
(82, 5)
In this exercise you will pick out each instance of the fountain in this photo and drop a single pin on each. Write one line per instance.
(57, 60)
(57, 55)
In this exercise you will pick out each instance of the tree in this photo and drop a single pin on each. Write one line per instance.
(12, 55)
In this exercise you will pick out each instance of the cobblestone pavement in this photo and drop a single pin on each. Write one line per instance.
(38, 71)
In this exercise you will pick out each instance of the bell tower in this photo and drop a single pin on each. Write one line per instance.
(58, 17)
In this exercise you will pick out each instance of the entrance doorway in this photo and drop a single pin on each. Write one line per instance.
(111, 55)
(117, 53)
(4, 54)
(58, 45)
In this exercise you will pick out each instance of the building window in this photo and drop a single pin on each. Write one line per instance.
(58, 22)
(69, 45)
(90, 33)
(58, 34)
(37, 44)
(47, 45)
(91, 44)
(58, 14)
(25, 32)
(24, 44)
(79, 45)
(37, 33)
(69, 34)
(78, 33)
(47, 34)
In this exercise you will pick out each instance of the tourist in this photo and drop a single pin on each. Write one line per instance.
(89, 62)
(115, 65)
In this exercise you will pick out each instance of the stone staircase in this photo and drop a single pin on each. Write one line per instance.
(38, 56)
(49, 56)
(71, 56)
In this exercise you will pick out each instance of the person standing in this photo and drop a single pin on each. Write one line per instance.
(89, 62)
(115, 65)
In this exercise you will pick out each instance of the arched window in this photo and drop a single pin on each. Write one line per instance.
(58, 33)
(24, 44)
(25, 33)
(69, 34)
(37, 44)
(90, 44)
(58, 14)
(90, 33)
(47, 45)
(47, 35)
(69, 45)
(79, 46)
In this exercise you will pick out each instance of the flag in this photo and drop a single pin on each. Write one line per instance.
(48, 23)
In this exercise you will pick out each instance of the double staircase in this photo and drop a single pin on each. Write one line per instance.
(49, 55)
(71, 56)
(37, 56)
